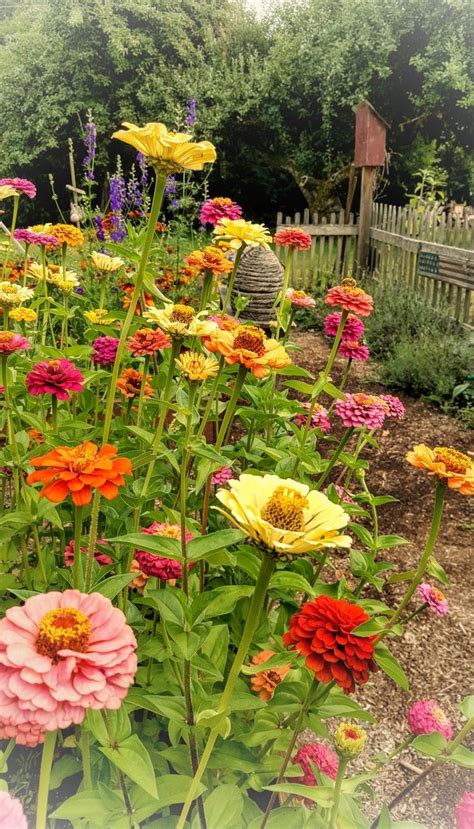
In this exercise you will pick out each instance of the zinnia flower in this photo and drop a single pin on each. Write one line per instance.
(213, 210)
(165, 569)
(130, 382)
(353, 326)
(322, 632)
(349, 740)
(447, 464)
(106, 264)
(57, 377)
(224, 321)
(147, 341)
(6, 192)
(23, 314)
(238, 232)
(10, 342)
(101, 558)
(170, 152)
(67, 235)
(293, 237)
(319, 755)
(20, 185)
(105, 349)
(98, 317)
(25, 734)
(35, 436)
(11, 294)
(12, 815)
(434, 598)
(221, 476)
(361, 410)
(210, 259)
(464, 813)
(426, 717)
(140, 579)
(61, 654)
(319, 418)
(29, 237)
(300, 298)
(265, 682)
(49, 273)
(396, 409)
(196, 366)
(351, 298)
(353, 350)
(77, 471)
(283, 515)
(180, 320)
(249, 346)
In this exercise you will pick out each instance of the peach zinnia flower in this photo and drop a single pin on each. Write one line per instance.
(146, 342)
(210, 259)
(351, 298)
(77, 471)
(293, 237)
(300, 298)
(61, 654)
(265, 682)
(456, 468)
(249, 346)
(130, 381)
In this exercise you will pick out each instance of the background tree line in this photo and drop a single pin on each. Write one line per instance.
(275, 94)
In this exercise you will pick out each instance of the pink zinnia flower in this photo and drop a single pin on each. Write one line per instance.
(101, 558)
(21, 185)
(12, 815)
(61, 654)
(361, 410)
(161, 567)
(426, 717)
(350, 298)
(105, 349)
(319, 418)
(225, 322)
(58, 377)
(434, 598)
(293, 237)
(464, 812)
(300, 298)
(222, 475)
(353, 326)
(319, 755)
(353, 350)
(343, 495)
(213, 210)
(29, 237)
(395, 409)
(25, 734)
(10, 342)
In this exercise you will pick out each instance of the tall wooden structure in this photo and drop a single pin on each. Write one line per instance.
(369, 153)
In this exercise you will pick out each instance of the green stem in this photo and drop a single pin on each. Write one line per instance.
(39, 554)
(228, 293)
(286, 282)
(16, 202)
(44, 326)
(103, 285)
(415, 613)
(206, 289)
(231, 407)
(320, 566)
(86, 758)
(212, 394)
(335, 456)
(183, 485)
(54, 414)
(6, 754)
(44, 779)
(77, 574)
(142, 389)
(11, 434)
(92, 539)
(337, 792)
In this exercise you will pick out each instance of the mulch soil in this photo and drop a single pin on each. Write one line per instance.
(436, 653)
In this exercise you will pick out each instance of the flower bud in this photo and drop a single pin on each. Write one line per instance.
(349, 740)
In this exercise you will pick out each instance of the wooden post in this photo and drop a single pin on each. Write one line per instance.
(365, 216)
(369, 153)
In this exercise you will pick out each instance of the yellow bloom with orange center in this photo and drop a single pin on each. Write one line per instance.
(210, 259)
(283, 515)
(165, 150)
(447, 464)
(106, 264)
(236, 232)
(12, 294)
(67, 235)
(349, 740)
(265, 682)
(196, 366)
(180, 320)
(249, 346)
(99, 317)
(23, 315)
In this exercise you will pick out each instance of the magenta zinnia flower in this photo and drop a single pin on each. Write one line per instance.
(213, 210)
(101, 558)
(29, 237)
(319, 755)
(361, 410)
(21, 185)
(61, 654)
(353, 350)
(319, 418)
(353, 327)
(12, 815)
(434, 598)
(395, 407)
(464, 812)
(222, 475)
(105, 349)
(161, 567)
(426, 717)
(57, 377)
(10, 342)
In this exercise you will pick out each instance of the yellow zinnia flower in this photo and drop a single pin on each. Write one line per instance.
(283, 515)
(12, 294)
(447, 464)
(167, 151)
(106, 264)
(67, 282)
(6, 192)
(98, 317)
(236, 232)
(36, 271)
(180, 320)
(196, 366)
(23, 315)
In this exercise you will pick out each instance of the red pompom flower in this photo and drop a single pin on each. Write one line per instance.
(293, 237)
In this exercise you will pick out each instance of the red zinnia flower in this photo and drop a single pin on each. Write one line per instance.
(293, 237)
(350, 298)
(57, 377)
(322, 632)
(147, 341)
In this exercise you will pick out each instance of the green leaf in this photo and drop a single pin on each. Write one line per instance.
(434, 569)
(223, 808)
(322, 795)
(173, 788)
(287, 579)
(373, 626)
(276, 661)
(390, 666)
(386, 541)
(467, 706)
(169, 604)
(131, 757)
(219, 601)
(201, 546)
(298, 385)
(111, 587)
(286, 817)
(157, 544)
(462, 756)
(83, 805)
(431, 744)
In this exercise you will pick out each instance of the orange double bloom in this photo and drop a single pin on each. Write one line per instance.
(447, 464)
(249, 346)
(77, 470)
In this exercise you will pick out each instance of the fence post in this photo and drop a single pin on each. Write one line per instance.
(365, 216)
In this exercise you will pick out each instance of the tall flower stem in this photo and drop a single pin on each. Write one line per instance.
(230, 285)
(335, 456)
(255, 609)
(25, 263)
(77, 574)
(86, 758)
(11, 427)
(183, 484)
(337, 792)
(44, 326)
(16, 202)
(92, 539)
(44, 779)
(226, 424)
(206, 289)
(142, 389)
(210, 401)
(150, 233)
(282, 297)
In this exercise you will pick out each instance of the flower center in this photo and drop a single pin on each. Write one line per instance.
(63, 628)
(6, 336)
(300, 294)
(10, 289)
(250, 338)
(367, 400)
(182, 313)
(453, 460)
(438, 594)
(439, 715)
(273, 677)
(284, 510)
(81, 457)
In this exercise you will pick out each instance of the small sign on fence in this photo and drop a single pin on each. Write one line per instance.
(428, 263)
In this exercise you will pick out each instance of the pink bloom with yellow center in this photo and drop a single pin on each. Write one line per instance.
(396, 409)
(353, 350)
(56, 377)
(293, 237)
(12, 815)
(361, 410)
(353, 326)
(101, 558)
(426, 717)
(464, 812)
(21, 185)
(319, 418)
(10, 342)
(158, 566)
(300, 298)
(434, 598)
(351, 298)
(213, 210)
(319, 755)
(61, 654)
(222, 475)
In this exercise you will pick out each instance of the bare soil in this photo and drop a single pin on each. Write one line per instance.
(436, 653)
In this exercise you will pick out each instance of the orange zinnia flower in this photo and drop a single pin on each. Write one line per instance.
(67, 235)
(265, 682)
(79, 470)
(249, 346)
(210, 259)
(456, 468)
(130, 381)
